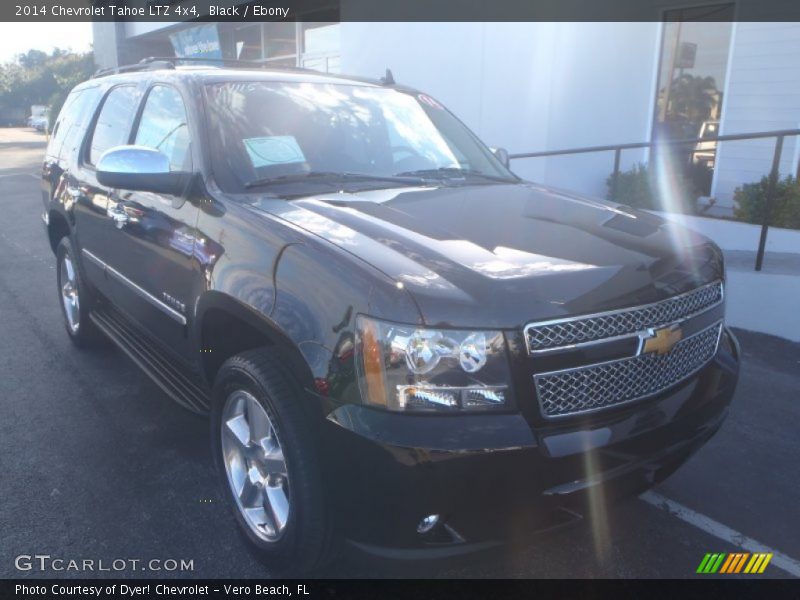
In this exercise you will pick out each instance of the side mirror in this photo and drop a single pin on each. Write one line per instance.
(141, 169)
(502, 155)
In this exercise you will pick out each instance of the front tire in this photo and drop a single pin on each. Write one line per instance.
(266, 458)
(75, 298)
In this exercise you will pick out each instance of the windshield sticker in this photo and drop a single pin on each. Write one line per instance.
(425, 99)
(273, 150)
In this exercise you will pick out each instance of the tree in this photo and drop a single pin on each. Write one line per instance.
(693, 98)
(40, 78)
(13, 93)
(68, 71)
(32, 59)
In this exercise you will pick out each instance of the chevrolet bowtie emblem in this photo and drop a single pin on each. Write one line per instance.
(663, 340)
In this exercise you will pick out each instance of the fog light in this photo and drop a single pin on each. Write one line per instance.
(427, 523)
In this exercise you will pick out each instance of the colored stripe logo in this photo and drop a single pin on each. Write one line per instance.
(736, 562)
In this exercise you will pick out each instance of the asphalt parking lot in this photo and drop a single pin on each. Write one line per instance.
(95, 462)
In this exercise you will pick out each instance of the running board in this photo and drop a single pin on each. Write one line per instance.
(175, 382)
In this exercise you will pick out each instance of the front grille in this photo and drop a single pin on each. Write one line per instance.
(582, 389)
(552, 335)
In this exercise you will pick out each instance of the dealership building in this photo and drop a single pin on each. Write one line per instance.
(543, 86)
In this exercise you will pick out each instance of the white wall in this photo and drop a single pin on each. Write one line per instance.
(763, 94)
(526, 86)
(602, 92)
(744, 237)
(491, 75)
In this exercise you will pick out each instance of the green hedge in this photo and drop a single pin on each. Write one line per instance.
(751, 200)
(638, 187)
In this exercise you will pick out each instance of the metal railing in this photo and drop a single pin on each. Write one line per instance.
(779, 136)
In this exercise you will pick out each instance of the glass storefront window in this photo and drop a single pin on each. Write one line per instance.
(694, 60)
(324, 64)
(247, 43)
(321, 46)
(286, 61)
(313, 45)
(321, 38)
(280, 39)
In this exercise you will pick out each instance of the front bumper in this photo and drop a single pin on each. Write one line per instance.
(491, 477)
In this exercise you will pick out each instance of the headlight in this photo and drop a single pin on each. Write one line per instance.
(408, 368)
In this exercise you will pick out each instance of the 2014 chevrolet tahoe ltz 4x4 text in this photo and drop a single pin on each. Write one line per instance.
(400, 343)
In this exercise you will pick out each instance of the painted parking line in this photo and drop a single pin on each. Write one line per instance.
(722, 532)
(7, 175)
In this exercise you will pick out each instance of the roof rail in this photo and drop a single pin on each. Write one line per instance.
(143, 65)
(171, 62)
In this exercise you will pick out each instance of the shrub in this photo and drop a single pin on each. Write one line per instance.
(638, 187)
(751, 201)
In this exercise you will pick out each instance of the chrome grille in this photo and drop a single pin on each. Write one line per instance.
(541, 337)
(582, 389)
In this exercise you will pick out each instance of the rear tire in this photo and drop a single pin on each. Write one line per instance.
(266, 456)
(75, 298)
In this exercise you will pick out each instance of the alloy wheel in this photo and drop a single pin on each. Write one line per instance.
(69, 293)
(255, 465)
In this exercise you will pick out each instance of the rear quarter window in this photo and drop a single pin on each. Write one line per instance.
(63, 123)
(72, 121)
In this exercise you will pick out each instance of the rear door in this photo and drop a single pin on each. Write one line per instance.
(95, 226)
(154, 244)
(51, 170)
(68, 132)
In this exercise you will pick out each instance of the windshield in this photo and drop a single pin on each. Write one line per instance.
(268, 133)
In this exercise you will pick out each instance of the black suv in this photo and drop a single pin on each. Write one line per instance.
(400, 343)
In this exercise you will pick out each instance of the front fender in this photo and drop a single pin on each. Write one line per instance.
(319, 293)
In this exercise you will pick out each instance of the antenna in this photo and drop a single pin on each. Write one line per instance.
(387, 79)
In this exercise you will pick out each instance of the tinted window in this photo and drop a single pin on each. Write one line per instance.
(163, 126)
(113, 124)
(72, 121)
(65, 118)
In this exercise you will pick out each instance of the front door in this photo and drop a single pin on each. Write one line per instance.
(154, 234)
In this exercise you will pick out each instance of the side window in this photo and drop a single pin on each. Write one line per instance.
(163, 126)
(65, 118)
(82, 112)
(72, 119)
(113, 123)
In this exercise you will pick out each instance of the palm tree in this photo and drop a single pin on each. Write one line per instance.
(692, 98)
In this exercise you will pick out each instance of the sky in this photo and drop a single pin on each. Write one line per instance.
(16, 38)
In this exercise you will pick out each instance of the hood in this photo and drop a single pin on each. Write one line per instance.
(507, 254)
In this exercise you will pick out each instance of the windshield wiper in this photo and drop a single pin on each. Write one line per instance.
(340, 176)
(455, 172)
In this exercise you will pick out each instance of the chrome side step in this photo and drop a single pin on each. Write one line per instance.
(164, 372)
